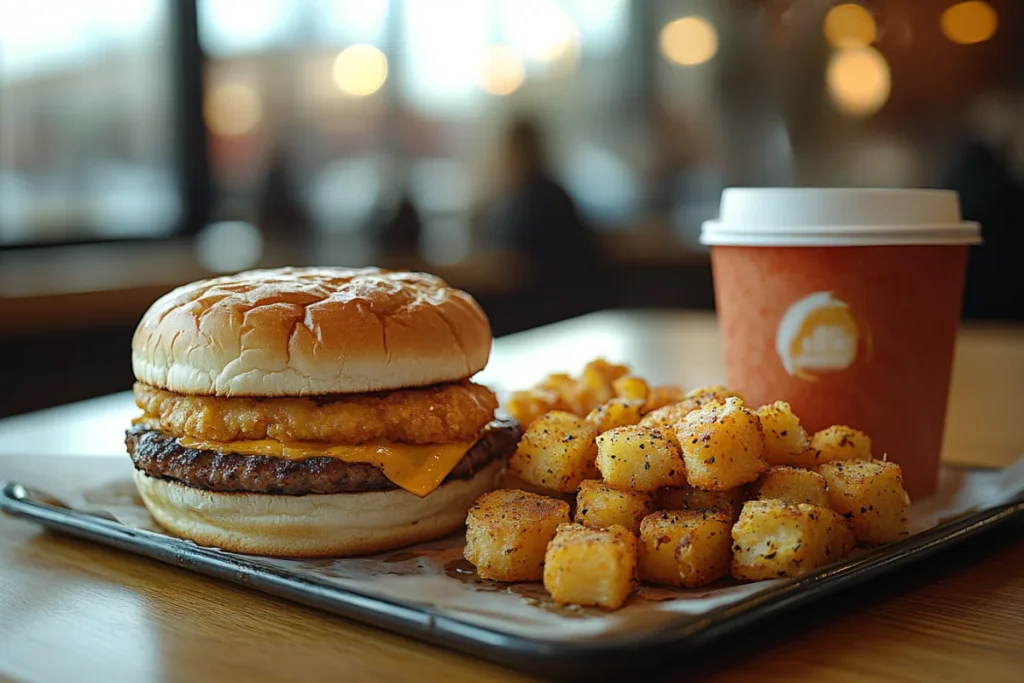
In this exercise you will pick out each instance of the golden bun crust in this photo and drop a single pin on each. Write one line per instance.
(331, 525)
(310, 331)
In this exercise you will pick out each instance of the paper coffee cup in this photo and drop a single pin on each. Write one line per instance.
(845, 303)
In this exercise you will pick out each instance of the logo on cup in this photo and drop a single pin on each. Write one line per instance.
(818, 334)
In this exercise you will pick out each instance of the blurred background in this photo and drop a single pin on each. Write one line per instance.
(550, 156)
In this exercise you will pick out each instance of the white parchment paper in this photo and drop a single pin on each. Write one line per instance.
(435, 576)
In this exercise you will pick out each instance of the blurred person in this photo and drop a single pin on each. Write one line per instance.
(396, 225)
(280, 211)
(679, 146)
(987, 170)
(537, 217)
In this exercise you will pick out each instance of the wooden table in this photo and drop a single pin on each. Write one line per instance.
(70, 610)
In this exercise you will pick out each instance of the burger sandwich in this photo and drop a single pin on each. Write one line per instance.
(314, 412)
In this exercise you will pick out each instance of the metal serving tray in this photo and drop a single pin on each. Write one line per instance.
(649, 640)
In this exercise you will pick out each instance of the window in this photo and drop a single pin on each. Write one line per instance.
(337, 107)
(322, 116)
(87, 121)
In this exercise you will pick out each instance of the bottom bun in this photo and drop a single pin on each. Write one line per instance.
(315, 525)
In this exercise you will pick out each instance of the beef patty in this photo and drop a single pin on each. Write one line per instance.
(161, 456)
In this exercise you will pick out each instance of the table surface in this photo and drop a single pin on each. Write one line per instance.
(70, 610)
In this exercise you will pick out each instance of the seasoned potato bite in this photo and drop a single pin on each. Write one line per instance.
(689, 498)
(638, 459)
(661, 396)
(571, 395)
(527, 406)
(840, 442)
(772, 539)
(667, 417)
(705, 553)
(710, 394)
(722, 446)
(792, 485)
(510, 481)
(631, 388)
(508, 531)
(870, 494)
(841, 537)
(585, 566)
(618, 412)
(556, 452)
(601, 506)
(604, 372)
(785, 441)
(685, 548)
(598, 379)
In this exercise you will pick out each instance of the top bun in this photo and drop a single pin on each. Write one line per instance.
(310, 331)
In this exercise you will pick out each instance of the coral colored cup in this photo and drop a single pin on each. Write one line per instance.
(845, 303)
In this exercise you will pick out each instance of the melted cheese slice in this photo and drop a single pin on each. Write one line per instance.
(419, 469)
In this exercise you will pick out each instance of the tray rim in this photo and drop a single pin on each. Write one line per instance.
(426, 623)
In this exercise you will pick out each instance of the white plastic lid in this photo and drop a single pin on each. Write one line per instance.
(838, 217)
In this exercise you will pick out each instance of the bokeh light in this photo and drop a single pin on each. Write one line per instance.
(502, 71)
(360, 70)
(969, 22)
(689, 41)
(849, 26)
(858, 81)
(541, 30)
(232, 109)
